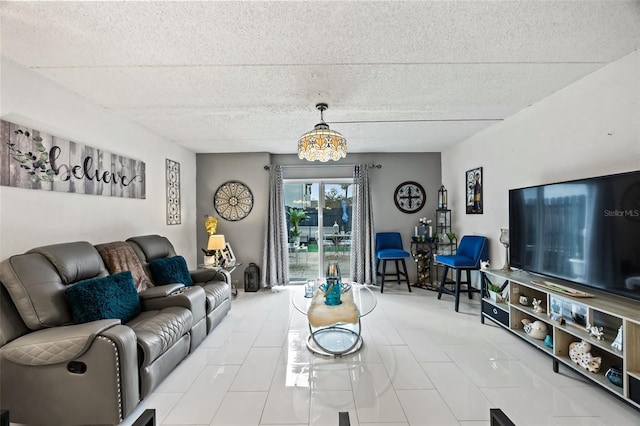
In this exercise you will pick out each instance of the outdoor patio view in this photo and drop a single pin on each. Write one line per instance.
(319, 227)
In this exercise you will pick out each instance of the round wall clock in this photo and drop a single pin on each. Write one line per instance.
(409, 197)
(233, 200)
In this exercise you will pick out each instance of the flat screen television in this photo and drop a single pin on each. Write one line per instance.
(584, 231)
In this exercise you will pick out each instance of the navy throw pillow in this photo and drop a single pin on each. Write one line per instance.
(111, 297)
(170, 270)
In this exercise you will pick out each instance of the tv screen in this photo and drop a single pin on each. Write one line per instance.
(584, 231)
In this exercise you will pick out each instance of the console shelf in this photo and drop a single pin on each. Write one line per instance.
(533, 341)
(602, 310)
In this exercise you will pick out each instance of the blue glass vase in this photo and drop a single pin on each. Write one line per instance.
(334, 286)
(333, 292)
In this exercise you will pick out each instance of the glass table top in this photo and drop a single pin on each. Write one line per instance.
(363, 298)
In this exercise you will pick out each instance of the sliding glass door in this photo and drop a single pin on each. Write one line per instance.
(319, 226)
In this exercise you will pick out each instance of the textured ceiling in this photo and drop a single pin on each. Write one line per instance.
(245, 76)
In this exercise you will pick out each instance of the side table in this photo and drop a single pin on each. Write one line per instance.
(229, 269)
(422, 252)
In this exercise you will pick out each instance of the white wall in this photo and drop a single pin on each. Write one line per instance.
(589, 128)
(30, 218)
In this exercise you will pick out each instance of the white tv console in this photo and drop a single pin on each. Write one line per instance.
(602, 310)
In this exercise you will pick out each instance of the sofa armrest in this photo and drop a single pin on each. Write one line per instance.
(55, 345)
(206, 275)
(159, 291)
(191, 297)
(100, 386)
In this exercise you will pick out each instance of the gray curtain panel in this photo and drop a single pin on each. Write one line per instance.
(362, 237)
(276, 256)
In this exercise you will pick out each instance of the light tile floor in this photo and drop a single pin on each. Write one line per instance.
(421, 364)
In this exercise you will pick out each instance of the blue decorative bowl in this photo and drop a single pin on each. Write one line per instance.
(614, 374)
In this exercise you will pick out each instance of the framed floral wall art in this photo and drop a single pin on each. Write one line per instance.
(33, 159)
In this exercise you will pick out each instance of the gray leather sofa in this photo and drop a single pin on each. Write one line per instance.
(216, 283)
(56, 372)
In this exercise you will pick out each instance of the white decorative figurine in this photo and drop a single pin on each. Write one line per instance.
(595, 331)
(537, 305)
(579, 352)
(484, 265)
(536, 329)
(617, 343)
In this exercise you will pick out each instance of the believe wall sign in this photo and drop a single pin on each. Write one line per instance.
(32, 159)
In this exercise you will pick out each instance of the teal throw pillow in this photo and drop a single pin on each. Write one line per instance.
(110, 297)
(170, 270)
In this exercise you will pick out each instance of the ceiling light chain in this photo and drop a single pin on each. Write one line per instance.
(321, 143)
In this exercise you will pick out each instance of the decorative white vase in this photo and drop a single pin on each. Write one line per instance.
(494, 296)
(209, 260)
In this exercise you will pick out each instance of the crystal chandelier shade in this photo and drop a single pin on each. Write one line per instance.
(322, 144)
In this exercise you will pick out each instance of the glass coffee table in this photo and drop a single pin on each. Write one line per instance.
(335, 330)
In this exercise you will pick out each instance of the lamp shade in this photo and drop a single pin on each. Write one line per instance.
(322, 144)
(216, 242)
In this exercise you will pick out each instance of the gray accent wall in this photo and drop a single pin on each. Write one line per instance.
(247, 236)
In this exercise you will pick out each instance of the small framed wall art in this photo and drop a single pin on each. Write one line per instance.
(473, 190)
(229, 256)
(173, 192)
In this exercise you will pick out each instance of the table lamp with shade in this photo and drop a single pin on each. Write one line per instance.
(215, 245)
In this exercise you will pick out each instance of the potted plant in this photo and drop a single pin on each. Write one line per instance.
(495, 293)
(295, 217)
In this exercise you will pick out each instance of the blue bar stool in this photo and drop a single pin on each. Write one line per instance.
(472, 250)
(389, 247)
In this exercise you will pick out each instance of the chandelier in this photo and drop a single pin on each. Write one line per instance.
(321, 143)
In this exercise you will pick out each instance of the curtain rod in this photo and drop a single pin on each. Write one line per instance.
(304, 166)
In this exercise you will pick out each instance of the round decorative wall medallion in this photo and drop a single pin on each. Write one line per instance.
(233, 200)
(409, 197)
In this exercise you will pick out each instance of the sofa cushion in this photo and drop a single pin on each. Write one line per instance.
(75, 261)
(36, 280)
(36, 290)
(152, 247)
(158, 331)
(110, 297)
(170, 270)
(216, 293)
